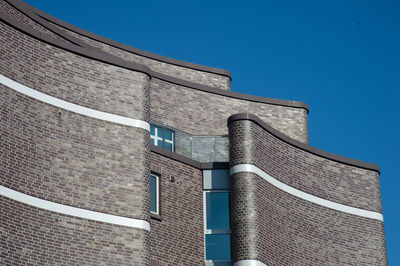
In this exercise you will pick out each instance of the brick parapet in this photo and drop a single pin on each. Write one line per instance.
(18, 15)
(319, 176)
(203, 113)
(73, 78)
(178, 237)
(213, 77)
(267, 221)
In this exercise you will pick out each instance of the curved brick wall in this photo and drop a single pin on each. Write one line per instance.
(271, 225)
(171, 81)
(201, 113)
(209, 76)
(69, 158)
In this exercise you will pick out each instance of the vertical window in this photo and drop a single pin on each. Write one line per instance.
(217, 227)
(154, 194)
(162, 137)
(218, 233)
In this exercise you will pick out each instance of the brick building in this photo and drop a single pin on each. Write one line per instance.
(111, 155)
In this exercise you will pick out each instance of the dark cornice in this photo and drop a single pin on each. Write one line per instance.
(76, 49)
(302, 146)
(188, 161)
(125, 47)
(76, 46)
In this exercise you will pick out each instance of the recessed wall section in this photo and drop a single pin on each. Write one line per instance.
(201, 113)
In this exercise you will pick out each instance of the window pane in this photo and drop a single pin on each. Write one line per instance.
(169, 134)
(153, 193)
(160, 132)
(218, 247)
(168, 146)
(152, 141)
(159, 143)
(217, 206)
(152, 130)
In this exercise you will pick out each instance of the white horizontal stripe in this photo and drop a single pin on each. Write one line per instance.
(73, 107)
(73, 211)
(308, 197)
(249, 263)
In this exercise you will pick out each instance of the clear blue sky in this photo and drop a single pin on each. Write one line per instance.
(340, 57)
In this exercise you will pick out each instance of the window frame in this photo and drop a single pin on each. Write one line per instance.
(163, 139)
(207, 231)
(157, 195)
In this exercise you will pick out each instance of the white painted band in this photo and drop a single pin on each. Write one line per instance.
(73, 107)
(305, 196)
(73, 211)
(249, 263)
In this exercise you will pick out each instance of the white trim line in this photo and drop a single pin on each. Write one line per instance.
(73, 211)
(73, 107)
(305, 196)
(249, 263)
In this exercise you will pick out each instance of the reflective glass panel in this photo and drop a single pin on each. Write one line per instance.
(160, 132)
(152, 130)
(217, 206)
(168, 146)
(218, 247)
(169, 134)
(153, 193)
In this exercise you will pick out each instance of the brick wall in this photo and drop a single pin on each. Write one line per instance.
(31, 236)
(16, 14)
(178, 237)
(278, 228)
(71, 159)
(202, 113)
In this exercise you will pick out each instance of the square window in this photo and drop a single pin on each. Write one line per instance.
(162, 137)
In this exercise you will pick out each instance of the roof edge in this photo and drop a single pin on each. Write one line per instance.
(302, 146)
(72, 45)
(122, 46)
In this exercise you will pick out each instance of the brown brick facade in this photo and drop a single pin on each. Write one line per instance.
(277, 228)
(202, 113)
(178, 237)
(76, 160)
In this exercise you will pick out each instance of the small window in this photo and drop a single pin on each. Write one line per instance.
(154, 194)
(162, 137)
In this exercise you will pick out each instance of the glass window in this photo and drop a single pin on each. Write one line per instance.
(217, 207)
(162, 137)
(154, 194)
(217, 227)
(218, 247)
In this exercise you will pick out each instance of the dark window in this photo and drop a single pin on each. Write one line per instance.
(217, 227)
(154, 194)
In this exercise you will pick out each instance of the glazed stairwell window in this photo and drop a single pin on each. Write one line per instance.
(162, 137)
(217, 228)
(154, 194)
